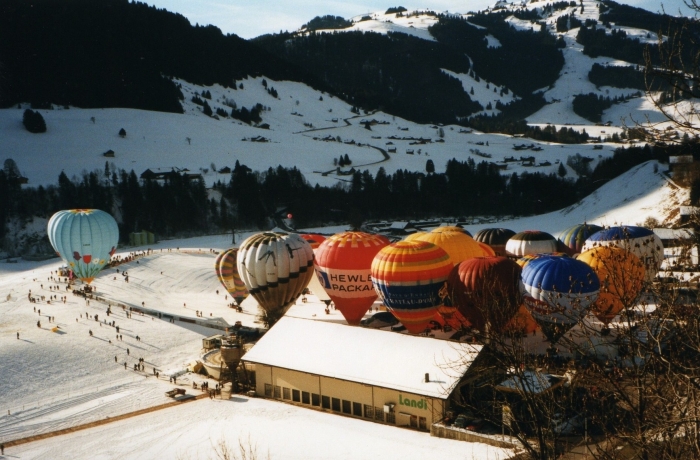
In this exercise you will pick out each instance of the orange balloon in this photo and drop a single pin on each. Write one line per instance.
(522, 322)
(621, 276)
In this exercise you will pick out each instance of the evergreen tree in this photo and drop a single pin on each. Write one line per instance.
(33, 121)
(562, 170)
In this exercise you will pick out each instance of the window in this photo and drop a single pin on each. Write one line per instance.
(379, 414)
(391, 417)
(422, 423)
(346, 407)
(357, 409)
(268, 390)
(414, 421)
(335, 404)
(325, 402)
(369, 411)
(315, 399)
(278, 392)
(285, 393)
(305, 398)
(296, 396)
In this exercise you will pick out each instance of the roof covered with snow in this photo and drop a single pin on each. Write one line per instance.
(360, 355)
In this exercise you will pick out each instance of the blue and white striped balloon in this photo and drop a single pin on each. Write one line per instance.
(557, 292)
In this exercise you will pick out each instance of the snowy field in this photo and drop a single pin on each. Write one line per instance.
(56, 380)
(309, 129)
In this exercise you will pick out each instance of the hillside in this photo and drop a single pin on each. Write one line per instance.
(336, 156)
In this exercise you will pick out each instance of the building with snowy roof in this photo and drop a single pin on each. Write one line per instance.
(376, 375)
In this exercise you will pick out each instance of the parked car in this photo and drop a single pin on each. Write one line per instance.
(461, 421)
(380, 320)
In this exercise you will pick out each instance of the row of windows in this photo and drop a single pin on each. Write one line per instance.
(327, 402)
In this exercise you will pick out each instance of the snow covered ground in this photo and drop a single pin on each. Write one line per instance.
(309, 129)
(55, 380)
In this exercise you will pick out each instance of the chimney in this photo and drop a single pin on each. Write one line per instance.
(427, 377)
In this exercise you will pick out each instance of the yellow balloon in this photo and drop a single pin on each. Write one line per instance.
(457, 244)
(621, 276)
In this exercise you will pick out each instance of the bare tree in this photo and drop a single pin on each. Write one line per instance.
(626, 388)
(672, 73)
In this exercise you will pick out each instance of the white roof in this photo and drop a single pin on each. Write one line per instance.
(673, 233)
(381, 358)
(530, 382)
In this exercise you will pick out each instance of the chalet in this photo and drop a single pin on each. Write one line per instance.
(109, 153)
(225, 170)
(680, 246)
(676, 162)
(689, 215)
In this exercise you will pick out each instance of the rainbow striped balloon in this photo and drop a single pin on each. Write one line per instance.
(575, 237)
(226, 271)
(408, 276)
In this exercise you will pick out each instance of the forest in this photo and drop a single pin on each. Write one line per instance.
(177, 205)
(119, 54)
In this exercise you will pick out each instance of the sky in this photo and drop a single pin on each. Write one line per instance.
(252, 18)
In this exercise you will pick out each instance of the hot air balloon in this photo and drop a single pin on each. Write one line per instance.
(621, 276)
(523, 261)
(486, 290)
(522, 322)
(640, 241)
(85, 239)
(343, 263)
(457, 244)
(450, 228)
(557, 292)
(496, 238)
(313, 239)
(488, 250)
(408, 277)
(531, 242)
(226, 271)
(275, 267)
(573, 238)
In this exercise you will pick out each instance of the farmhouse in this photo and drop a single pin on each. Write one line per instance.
(346, 370)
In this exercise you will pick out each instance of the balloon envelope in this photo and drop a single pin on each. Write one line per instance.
(496, 238)
(640, 241)
(408, 277)
(573, 238)
(531, 242)
(621, 276)
(523, 261)
(85, 239)
(557, 292)
(314, 239)
(275, 268)
(343, 267)
(485, 290)
(227, 272)
(450, 228)
(456, 243)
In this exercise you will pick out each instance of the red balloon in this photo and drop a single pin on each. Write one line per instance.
(486, 290)
(314, 239)
(342, 264)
